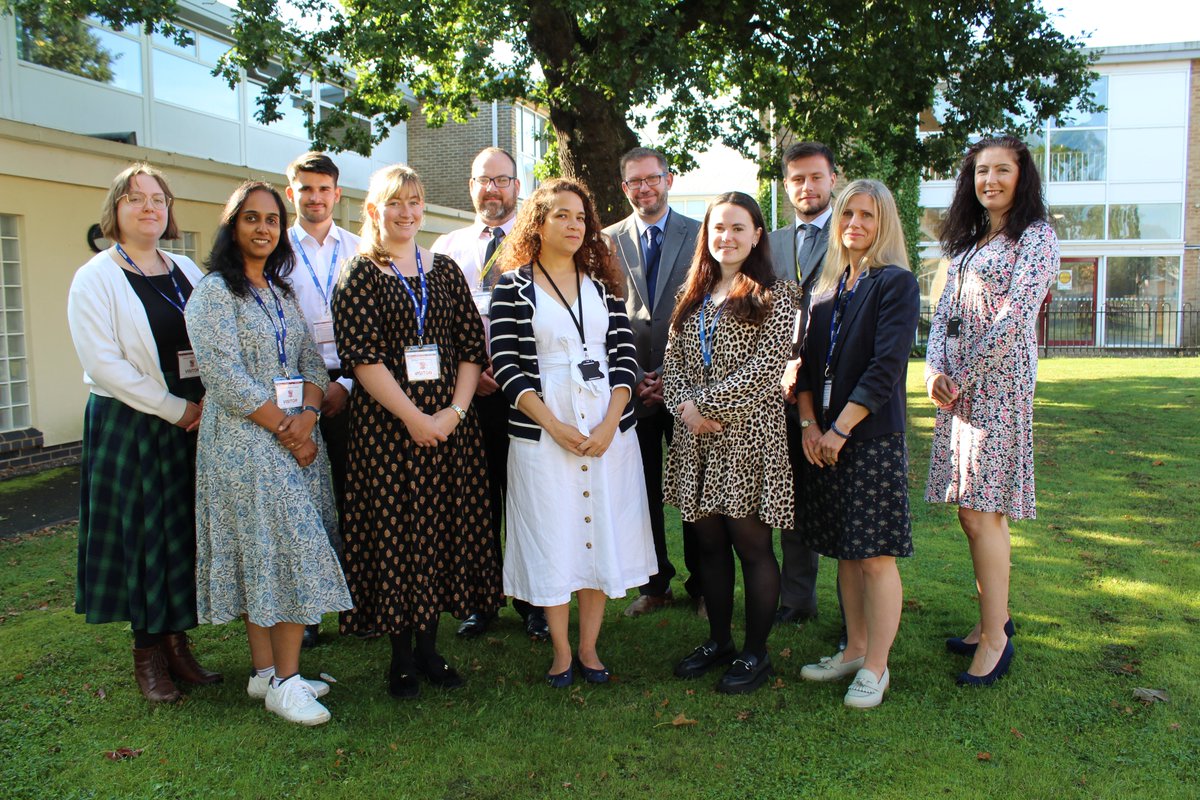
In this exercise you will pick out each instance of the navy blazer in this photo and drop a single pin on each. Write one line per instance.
(870, 363)
(514, 349)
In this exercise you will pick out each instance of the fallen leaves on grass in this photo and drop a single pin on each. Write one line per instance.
(743, 716)
(1017, 733)
(122, 753)
(1149, 696)
(785, 652)
(983, 756)
(778, 684)
(680, 721)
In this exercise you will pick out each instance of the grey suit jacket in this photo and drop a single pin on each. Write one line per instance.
(783, 254)
(650, 326)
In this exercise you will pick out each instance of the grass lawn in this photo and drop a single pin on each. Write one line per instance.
(1106, 598)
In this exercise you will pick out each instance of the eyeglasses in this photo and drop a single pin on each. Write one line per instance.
(650, 181)
(158, 201)
(500, 181)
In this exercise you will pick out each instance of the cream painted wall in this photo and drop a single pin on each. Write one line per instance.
(55, 182)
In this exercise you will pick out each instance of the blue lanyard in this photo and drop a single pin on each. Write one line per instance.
(280, 330)
(178, 306)
(840, 304)
(312, 273)
(421, 307)
(708, 337)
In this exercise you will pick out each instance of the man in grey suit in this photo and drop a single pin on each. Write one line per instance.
(655, 247)
(809, 176)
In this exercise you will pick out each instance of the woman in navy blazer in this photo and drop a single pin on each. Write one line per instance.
(850, 392)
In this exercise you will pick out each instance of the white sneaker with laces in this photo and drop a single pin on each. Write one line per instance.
(296, 701)
(257, 687)
(866, 691)
(832, 668)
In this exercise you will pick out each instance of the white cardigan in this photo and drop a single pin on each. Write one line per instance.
(112, 336)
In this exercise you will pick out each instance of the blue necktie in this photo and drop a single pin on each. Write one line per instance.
(804, 250)
(653, 250)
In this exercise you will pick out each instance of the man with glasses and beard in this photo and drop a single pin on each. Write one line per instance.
(655, 247)
(476, 249)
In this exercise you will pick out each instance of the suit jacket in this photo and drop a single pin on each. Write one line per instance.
(870, 363)
(650, 326)
(783, 254)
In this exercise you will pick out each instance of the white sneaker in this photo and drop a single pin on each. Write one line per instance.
(866, 691)
(296, 701)
(832, 668)
(257, 687)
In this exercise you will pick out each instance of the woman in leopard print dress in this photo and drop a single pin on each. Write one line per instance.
(728, 469)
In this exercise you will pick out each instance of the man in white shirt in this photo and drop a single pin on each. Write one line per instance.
(476, 249)
(321, 248)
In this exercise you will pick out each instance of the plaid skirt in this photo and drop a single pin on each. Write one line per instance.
(137, 520)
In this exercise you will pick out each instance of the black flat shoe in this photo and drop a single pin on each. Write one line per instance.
(592, 675)
(404, 685)
(704, 658)
(745, 674)
(563, 679)
(998, 671)
(439, 673)
(474, 625)
(536, 627)
(961, 648)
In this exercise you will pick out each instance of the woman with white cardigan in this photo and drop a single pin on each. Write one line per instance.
(137, 536)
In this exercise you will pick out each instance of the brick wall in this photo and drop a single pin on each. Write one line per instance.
(23, 451)
(443, 155)
(1191, 220)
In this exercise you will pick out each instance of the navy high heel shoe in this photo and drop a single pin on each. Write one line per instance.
(961, 648)
(593, 675)
(998, 672)
(563, 679)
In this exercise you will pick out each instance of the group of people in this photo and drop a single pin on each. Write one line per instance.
(338, 423)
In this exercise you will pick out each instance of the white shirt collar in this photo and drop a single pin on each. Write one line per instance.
(821, 221)
(482, 228)
(660, 223)
(335, 232)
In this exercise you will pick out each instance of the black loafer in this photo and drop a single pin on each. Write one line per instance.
(704, 658)
(404, 685)
(474, 625)
(536, 626)
(439, 673)
(745, 674)
(312, 636)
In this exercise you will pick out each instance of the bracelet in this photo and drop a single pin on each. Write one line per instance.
(462, 413)
(313, 409)
(833, 427)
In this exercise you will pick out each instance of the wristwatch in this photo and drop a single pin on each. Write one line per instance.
(313, 409)
(804, 423)
(462, 412)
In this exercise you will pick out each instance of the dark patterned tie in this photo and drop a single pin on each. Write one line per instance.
(804, 250)
(489, 277)
(653, 251)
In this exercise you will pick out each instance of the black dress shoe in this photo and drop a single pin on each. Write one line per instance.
(474, 625)
(704, 658)
(440, 673)
(536, 626)
(312, 636)
(745, 674)
(403, 685)
(796, 616)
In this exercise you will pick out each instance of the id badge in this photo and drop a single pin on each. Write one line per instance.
(483, 301)
(289, 393)
(188, 368)
(590, 370)
(422, 363)
(827, 395)
(953, 327)
(323, 331)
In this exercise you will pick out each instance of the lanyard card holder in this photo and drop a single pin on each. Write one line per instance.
(483, 301)
(323, 331)
(289, 392)
(827, 394)
(422, 363)
(589, 368)
(188, 367)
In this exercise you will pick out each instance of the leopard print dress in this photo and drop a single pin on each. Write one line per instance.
(743, 470)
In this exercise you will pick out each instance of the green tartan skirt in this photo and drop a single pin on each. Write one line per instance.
(137, 518)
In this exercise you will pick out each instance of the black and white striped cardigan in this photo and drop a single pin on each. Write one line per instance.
(514, 350)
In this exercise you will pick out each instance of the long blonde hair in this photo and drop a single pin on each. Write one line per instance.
(386, 184)
(888, 247)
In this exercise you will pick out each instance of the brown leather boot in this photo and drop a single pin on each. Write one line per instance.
(150, 669)
(183, 664)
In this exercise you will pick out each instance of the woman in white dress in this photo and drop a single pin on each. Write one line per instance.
(563, 353)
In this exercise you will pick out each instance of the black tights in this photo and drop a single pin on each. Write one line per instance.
(719, 536)
(402, 647)
(143, 638)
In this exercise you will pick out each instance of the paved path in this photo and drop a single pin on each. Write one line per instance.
(50, 502)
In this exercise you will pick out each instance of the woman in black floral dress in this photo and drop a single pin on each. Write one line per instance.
(416, 516)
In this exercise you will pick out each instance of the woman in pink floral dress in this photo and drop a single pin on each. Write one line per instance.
(980, 372)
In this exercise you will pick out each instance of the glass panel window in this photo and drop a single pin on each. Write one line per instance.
(14, 390)
(1144, 221)
(210, 49)
(1078, 155)
(292, 123)
(531, 146)
(1074, 118)
(931, 223)
(1141, 302)
(83, 49)
(187, 244)
(192, 85)
(1078, 223)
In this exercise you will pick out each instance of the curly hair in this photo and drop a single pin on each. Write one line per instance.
(226, 257)
(967, 220)
(750, 295)
(594, 257)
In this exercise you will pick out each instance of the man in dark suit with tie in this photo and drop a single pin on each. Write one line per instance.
(655, 246)
(809, 176)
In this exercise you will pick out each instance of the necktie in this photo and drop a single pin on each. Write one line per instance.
(490, 253)
(653, 250)
(804, 250)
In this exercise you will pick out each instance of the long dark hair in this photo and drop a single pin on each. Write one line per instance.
(967, 221)
(524, 244)
(226, 257)
(750, 295)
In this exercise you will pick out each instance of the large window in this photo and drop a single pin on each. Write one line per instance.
(1144, 221)
(1141, 305)
(83, 48)
(931, 223)
(14, 374)
(1074, 147)
(1078, 223)
(183, 75)
(531, 146)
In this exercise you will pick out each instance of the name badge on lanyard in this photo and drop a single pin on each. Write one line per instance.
(827, 394)
(589, 368)
(422, 363)
(708, 336)
(289, 393)
(188, 368)
(323, 331)
(289, 389)
(483, 301)
(841, 302)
